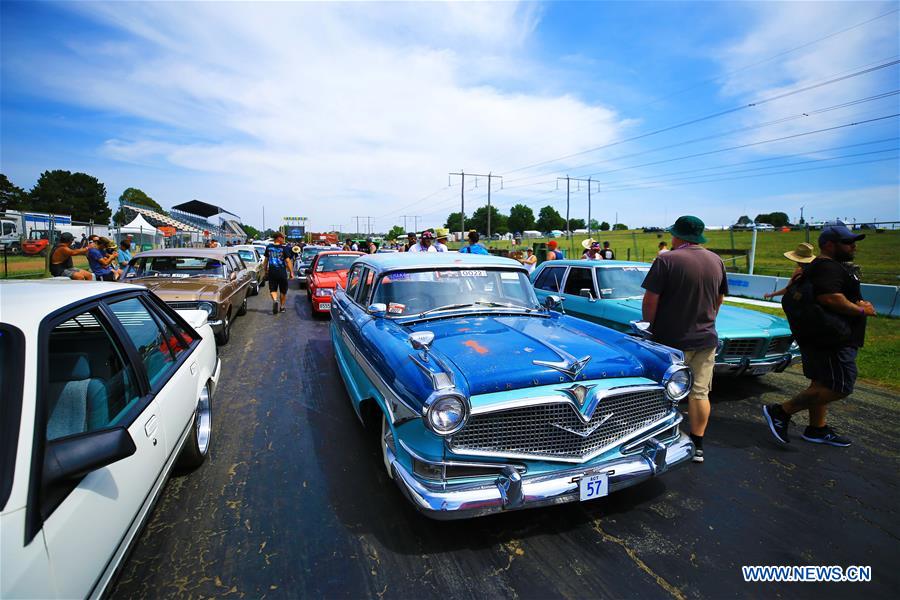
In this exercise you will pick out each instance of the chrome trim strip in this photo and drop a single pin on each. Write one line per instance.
(592, 403)
(663, 423)
(632, 445)
(461, 463)
(439, 380)
(398, 410)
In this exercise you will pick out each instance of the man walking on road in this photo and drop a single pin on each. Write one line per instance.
(831, 369)
(685, 288)
(279, 268)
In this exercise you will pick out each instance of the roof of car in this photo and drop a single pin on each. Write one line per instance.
(204, 252)
(25, 302)
(424, 260)
(565, 262)
(329, 252)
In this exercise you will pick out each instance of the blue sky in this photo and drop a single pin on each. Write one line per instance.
(339, 110)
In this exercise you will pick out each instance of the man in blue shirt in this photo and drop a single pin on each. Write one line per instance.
(474, 247)
(279, 268)
(99, 259)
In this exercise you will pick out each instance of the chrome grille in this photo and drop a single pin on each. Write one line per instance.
(537, 430)
(183, 305)
(742, 347)
(779, 345)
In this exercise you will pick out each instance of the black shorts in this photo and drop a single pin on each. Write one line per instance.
(278, 281)
(834, 368)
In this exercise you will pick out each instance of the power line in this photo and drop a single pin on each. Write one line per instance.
(462, 193)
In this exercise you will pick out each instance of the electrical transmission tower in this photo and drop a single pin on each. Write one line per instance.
(462, 196)
(569, 181)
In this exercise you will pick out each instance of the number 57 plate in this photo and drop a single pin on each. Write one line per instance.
(593, 486)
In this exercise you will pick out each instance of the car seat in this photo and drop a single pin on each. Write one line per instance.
(77, 402)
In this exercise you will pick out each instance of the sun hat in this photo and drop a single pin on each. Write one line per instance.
(689, 229)
(836, 231)
(588, 243)
(427, 235)
(803, 254)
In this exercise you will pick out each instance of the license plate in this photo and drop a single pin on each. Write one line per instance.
(325, 306)
(761, 370)
(593, 486)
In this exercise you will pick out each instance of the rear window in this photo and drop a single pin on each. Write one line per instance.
(248, 255)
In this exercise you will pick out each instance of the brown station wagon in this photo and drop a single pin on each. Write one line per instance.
(215, 280)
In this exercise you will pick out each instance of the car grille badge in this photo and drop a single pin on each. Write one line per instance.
(587, 430)
(578, 393)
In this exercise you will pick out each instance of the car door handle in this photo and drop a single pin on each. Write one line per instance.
(151, 425)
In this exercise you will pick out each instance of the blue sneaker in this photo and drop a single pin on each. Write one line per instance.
(825, 435)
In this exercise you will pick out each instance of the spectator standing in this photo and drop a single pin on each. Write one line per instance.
(124, 254)
(663, 248)
(593, 252)
(425, 243)
(831, 368)
(279, 269)
(473, 247)
(552, 250)
(101, 260)
(84, 241)
(607, 252)
(530, 260)
(371, 248)
(61, 264)
(441, 244)
(684, 290)
(803, 255)
(410, 241)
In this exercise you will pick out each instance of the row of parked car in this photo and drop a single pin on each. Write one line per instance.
(490, 390)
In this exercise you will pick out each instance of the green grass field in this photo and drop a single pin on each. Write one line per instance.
(878, 255)
(877, 360)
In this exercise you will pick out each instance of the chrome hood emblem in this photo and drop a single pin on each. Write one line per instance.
(568, 366)
(588, 430)
(578, 393)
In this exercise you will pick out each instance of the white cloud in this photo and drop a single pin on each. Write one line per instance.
(318, 109)
(780, 26)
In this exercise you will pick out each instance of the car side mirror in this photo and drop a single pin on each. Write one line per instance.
(586, 293)
(378, 309)
(641, 329)
(233, 275)
(552, 302)
(75, 456)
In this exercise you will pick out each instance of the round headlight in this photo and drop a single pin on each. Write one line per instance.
(447, 415)
(678, 384)
(208, 307)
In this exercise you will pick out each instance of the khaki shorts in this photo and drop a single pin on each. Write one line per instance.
(702, 362)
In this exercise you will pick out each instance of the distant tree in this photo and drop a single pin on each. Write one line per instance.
(776, 219)
(396, 233)
(595, 225)
(454, 221)
(269, 233)
(12, 197)
(743, 220)
(620, 227)
(577, 224)
(251, 231)
(549, 219)
(521, 218)
(604, 226)
(478, 220)
(78, 194)
(135, 196)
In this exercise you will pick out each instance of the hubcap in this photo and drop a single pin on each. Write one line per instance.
(387, 441)
(203, 421)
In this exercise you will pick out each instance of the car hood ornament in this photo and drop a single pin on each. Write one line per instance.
(569, 366)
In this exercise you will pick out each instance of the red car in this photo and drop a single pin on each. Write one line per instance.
(326, 271)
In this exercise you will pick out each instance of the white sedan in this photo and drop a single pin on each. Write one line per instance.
(105, 389)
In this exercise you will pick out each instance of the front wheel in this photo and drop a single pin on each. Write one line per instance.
(387, 441)
(223, 336)
(242, 310)
(196, 447)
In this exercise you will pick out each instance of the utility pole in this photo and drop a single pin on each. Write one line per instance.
(368, 226)
(489, 201)
(569, 181)
(462, 196)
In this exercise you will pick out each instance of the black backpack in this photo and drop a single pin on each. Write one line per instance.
(810, 322)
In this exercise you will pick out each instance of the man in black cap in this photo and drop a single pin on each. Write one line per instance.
(411, 241)
(830, 369)
(684, 291)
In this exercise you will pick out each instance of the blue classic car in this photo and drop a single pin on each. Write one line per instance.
(488, 401)
(609, 292)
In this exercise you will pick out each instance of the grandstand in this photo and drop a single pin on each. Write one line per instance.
(191, 221)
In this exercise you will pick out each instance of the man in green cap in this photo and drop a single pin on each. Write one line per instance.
(684, 290)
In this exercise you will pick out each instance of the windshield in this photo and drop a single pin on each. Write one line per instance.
(247, 255)
(175, 266)
(621, 282)
(310, 253)
(335, 262)
(409, 293)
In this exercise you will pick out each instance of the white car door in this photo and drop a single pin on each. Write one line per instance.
(93, 381)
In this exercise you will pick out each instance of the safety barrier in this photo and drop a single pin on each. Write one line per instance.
(885, 298)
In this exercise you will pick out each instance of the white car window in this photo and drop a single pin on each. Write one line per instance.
(90, 384)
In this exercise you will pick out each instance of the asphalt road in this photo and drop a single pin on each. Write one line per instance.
(294, 502)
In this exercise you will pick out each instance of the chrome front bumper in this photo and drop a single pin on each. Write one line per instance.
(747, 366)
(512, 491)
(216, 325)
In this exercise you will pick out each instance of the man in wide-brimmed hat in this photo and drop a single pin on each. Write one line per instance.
(592, 250)
(684, 289)
(803, 255)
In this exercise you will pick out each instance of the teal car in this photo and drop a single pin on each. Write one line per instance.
(609, 293)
